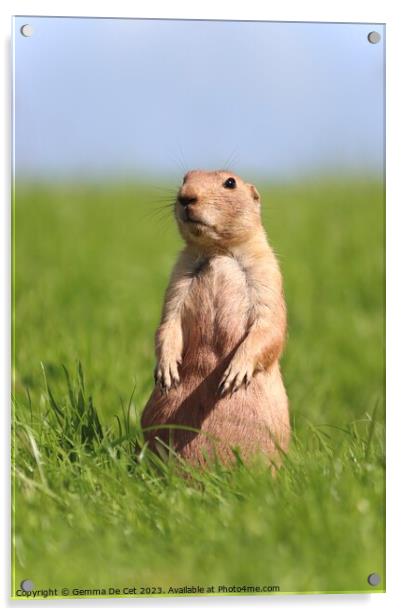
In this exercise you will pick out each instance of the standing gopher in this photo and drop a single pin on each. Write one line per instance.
(222, 330)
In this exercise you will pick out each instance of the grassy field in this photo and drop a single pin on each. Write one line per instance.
(91, 266)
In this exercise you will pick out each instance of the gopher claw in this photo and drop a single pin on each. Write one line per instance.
(234, 377)
(166, 376)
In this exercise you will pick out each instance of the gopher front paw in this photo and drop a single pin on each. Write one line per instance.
(238, 373)
(166, 374)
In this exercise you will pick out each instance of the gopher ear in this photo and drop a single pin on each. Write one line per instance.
(254, 192)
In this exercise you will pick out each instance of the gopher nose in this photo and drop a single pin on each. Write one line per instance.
(186, 200)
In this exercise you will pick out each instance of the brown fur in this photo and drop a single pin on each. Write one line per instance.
(222, 330)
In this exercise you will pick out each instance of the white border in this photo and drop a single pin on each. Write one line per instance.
(381, 11)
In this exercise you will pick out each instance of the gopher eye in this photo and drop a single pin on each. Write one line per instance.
(230, 183)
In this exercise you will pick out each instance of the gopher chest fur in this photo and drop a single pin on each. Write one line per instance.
(215, 315)
(215, 318)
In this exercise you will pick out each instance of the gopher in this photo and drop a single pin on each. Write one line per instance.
(222, 331)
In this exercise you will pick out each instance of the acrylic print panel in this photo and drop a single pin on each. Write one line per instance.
(255, 463)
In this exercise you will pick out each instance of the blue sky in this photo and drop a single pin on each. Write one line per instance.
(109, 97)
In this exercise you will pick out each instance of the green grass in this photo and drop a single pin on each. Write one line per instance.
(91, 266)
